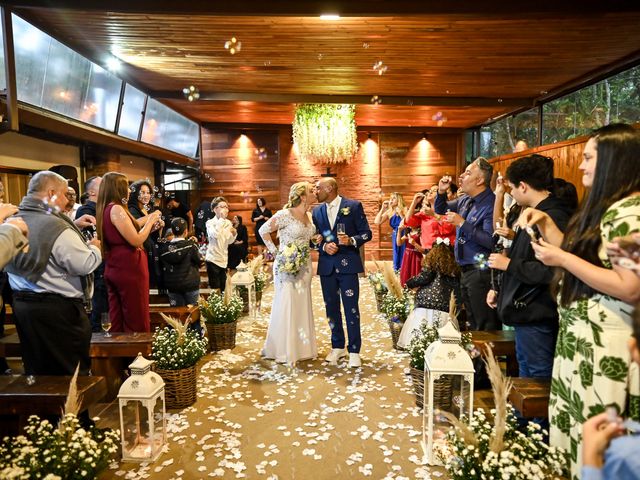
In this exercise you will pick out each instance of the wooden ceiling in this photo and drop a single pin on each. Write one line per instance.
(466, 64)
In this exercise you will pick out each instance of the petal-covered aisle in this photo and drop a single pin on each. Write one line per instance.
(256, 419)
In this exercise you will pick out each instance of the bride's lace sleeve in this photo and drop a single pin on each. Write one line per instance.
(266, 229)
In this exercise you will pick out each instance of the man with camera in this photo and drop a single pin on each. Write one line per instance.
(524, 300)
(52, 282)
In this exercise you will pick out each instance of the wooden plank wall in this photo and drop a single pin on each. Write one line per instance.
(240, 171)
(566, 155)
(385, 163)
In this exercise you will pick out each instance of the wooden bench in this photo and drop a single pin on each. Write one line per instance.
(530, 396)
(503, 343)
(110, 356)
(44, 397)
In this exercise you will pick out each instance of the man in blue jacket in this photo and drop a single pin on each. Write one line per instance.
(344, 228)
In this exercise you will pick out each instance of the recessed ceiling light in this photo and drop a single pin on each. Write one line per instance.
(329, 16)
(113, 64)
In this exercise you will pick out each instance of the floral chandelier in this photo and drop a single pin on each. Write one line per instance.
(325, 133)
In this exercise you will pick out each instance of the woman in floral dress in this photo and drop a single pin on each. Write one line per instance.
(592, 367)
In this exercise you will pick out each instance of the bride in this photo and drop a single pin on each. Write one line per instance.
(291, 336)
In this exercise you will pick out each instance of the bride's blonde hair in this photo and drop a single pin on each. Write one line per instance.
(296, 192)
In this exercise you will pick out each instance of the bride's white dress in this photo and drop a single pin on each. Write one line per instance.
(291, 335)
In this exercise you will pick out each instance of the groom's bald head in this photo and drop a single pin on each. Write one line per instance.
(326, 189)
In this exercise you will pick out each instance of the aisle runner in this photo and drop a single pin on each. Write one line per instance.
(256, 419)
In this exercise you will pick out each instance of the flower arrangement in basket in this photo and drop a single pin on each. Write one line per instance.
(482, 449)
(292, 258)
(221, 312)
(66, 452)
(257, 269)
(420, 341)
(176, 352)
(396, 303)
(376, 280)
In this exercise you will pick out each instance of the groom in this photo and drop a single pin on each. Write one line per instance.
(344, 227)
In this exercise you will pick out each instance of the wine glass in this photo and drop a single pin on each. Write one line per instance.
(341, 229)
(105, 322)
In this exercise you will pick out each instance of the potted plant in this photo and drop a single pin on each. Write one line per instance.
(376, 280)
(479, 448)
(65, 451)
(221, 313)
(176, 352)
(395, 303)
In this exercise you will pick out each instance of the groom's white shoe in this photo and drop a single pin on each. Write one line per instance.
(354, 360)
(336, 354)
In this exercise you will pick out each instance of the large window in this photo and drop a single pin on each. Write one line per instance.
(167, 129)
(52, 76)
(616, 99)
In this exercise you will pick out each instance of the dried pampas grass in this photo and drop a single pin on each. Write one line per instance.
(177, 325)
(228, 291)
(392, 280)
(74, 400)
(501, 387)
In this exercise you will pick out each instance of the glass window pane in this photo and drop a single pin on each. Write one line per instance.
(52, 76)
(131, 116)
(501, 137)
(32, 54)
(616, 99)
(3, 78)
(167, 129)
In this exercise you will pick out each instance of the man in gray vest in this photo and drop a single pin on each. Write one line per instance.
(52, 282)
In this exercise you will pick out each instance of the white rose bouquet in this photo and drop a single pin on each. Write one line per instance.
(292, 258)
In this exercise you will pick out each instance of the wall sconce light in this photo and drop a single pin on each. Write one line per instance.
(424, 136)
(369, 136)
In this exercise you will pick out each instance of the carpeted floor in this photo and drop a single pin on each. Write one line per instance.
(256, 419)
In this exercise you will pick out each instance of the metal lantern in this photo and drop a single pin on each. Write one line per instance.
(448, 387)
(142, 422)
(243, 278)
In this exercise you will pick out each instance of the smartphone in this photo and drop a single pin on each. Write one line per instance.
(534, 232)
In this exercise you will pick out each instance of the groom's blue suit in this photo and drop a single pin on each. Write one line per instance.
(339, 272)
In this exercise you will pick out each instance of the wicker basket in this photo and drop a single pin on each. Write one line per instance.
(395, 328)
(179, 386)
(222, 336)
(441, 390)
(379, 296)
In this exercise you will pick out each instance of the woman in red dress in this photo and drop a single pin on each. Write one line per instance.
(126, 272)
(431, 226)
(412, 257)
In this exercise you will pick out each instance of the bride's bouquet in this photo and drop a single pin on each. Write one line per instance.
(292, 258)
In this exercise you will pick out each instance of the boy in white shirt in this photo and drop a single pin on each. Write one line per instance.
(221, 234)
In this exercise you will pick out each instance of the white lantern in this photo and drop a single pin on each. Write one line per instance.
(448, 387)
(142, 422)
(243, 278)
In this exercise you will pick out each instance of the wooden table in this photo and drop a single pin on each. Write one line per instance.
(44, 397)
(110, 356)
(503, 343)
(530, 396)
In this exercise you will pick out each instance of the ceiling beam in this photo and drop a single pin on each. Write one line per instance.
(408, 101)
(344, 7)
(374, 129)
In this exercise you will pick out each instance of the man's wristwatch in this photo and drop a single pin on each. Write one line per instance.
(353, 242)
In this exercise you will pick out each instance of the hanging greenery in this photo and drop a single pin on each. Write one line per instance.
(325, 133)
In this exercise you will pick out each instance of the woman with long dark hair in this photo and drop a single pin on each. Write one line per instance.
(140, 205)
(259, 216)
(592, 367)
(126, 273)
(239, 249)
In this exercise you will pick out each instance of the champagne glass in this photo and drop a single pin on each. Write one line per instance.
(341, 229)
(105, 322)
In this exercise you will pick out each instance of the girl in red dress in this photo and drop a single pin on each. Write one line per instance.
(126, 272)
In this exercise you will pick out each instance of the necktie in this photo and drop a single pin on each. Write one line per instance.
(330, 215)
